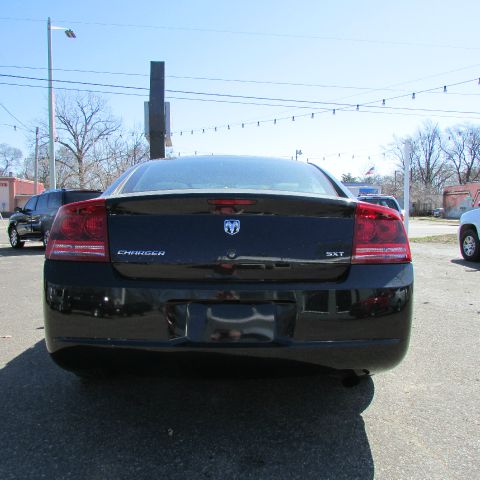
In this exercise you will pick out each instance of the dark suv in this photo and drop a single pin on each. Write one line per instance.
(34, 220)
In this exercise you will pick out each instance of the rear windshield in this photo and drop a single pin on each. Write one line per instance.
(385, 202)
(71, 197)
(226, 173)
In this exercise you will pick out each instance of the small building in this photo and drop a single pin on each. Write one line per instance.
(15, 192)
(424, 202)
(358, 188)
(458, 199)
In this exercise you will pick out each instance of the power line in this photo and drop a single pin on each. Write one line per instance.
(13, 116)
(75, 82)
(236, 80)
(250, 33)
(15, 127)
(146, 96)
(444, 88)
(316, 102)
(76, 70)
(346, 107)
(412, 81)
(261, 101)
(406, 114)
(73, 89)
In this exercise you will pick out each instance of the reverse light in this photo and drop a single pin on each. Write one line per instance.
(379, 236)
(79, 233)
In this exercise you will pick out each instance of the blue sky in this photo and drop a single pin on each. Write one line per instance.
(354, 52)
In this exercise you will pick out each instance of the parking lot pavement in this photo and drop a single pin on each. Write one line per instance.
(3, 232)
(419, 421)
(426, 228)
(4, 236)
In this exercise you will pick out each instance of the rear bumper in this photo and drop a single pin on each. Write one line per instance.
(362, 323)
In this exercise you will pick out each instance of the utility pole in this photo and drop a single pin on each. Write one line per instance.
(35, 177)
(51, 102)
(406, 182)
(51, 112)
(297, 153)
(156, 113)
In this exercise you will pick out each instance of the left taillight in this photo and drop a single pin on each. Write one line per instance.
(79, 233)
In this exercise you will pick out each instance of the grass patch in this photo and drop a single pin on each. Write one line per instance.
(450, 238)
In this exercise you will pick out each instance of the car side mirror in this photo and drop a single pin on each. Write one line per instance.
(18, 210)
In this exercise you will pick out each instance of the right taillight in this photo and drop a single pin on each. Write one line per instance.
(379, 236)
(79, 233)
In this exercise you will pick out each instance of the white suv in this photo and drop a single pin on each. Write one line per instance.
(468, 235)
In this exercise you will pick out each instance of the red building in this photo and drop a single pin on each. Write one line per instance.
(459, 199)
(15, 192)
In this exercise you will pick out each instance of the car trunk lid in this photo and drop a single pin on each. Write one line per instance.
(231, 237)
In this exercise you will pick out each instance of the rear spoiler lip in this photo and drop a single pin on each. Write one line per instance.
(222, 193)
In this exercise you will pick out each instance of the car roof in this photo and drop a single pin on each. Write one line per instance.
(214, 159)
(69, 190)
(376, 195)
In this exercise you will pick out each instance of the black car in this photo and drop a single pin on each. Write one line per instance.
(250, 259)
(384, 200)
(34, 220)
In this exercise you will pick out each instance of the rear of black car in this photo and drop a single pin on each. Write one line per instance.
(256, 259)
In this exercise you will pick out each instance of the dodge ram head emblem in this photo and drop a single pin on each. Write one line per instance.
(231, 227)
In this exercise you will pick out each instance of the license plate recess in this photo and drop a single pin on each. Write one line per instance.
(239, 323)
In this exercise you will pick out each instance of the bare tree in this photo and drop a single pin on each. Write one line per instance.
(396, 151)
(428, 157)
(28, 167)
(428, 166)
(461, 147)
(9, 159)
(82, 122)
(391, 185)
(116, 153)
(92, 149)
(65, 173)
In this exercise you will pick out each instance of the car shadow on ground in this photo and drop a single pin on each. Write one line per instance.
(55, 426)
(28, 249)
(472, 266)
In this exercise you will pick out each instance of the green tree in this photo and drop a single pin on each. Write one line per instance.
(348, 178)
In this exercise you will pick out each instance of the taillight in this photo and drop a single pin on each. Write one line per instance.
(379, 236)
(79, 233)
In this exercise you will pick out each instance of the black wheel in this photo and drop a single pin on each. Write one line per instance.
(45, 236)
(14, 238)
(470, 245)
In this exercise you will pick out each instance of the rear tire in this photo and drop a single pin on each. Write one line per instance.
(470, 245)
(45, 236)
(14, 238)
